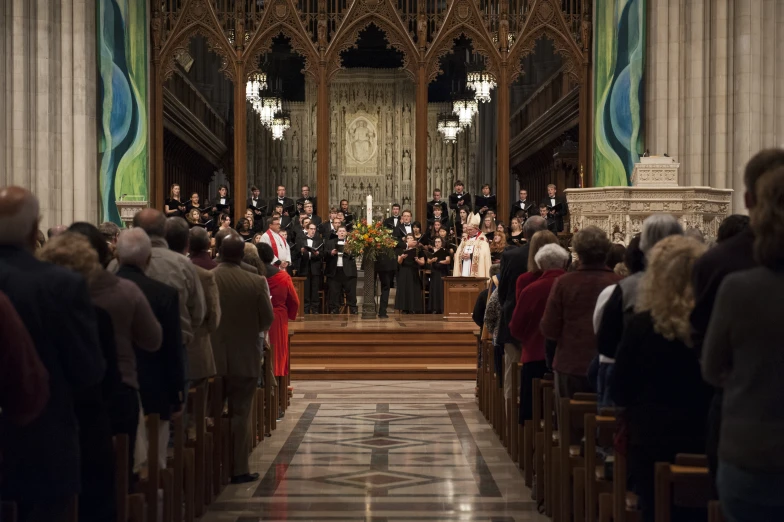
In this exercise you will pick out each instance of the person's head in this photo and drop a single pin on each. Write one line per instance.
(224, 220)
(177, 234)
(308, 207)
(495, 269)
(336, 223)
(438, 243)
(767, 220)
(305, 191)
(410, 241)
(487, 223)
(344, 205)
(732, 226)
(406, 217)
(695, 233)
(311, 230)
(666, 288)
(463, 215)
(18, 218)
(249, 215)
(175, 191)
(591, 245)
(543, 211)
(342, 233)
(273, 223)
(134, 248)
(459, 187)
(251, 256)
(198, 240)
(278, 208)
(633, 258)
(499, 242)
(416, 227)
(499, 227)
(305, 223)
(110, 231)
(151, 221)
(464, 236)
(551, 190)
(485, 189)
(71, 250)
(533, 225)
(55, 231)
(40, 240)
(655, 228)
(437, 225)
(443, 233)
(257, 238)
(195, 199)
(223, 191)
(333, 213)
(552, 256)
(243, 225)
(615, 255)
(762, 162)
(437, 211)
(281, 191)
(523, 194)
(222, 234)
(95, 238)
(255, 192)
(232, 249)
(537, 241)
(284, 234)
(515, 225)
(395, 210)
(266, 254)
(437, 194)
(194, 216)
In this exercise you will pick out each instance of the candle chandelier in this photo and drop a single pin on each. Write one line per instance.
(256, 83)
(478, 79)
(281, 122)
(448, 126)
(267, 101)
(464, 106)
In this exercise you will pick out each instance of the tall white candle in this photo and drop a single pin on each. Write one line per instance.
(369, 209)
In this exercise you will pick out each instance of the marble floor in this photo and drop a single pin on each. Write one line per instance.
(380, 451)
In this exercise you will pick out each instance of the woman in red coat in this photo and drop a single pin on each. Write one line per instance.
(285, 304)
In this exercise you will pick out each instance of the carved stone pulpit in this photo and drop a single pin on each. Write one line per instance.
(655, 171)
(129, 208)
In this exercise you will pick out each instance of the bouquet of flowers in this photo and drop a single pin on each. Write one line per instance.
(370, 240)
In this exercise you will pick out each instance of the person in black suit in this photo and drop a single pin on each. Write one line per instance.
(40, 466)
(485, 201)
(310, 251)
(523, 208)
(256, 204)
(460, 199)
(348, 217)
(326, 230)
(545, 214)
(386, 268)
(341, 272)
(435, 201)
(556, 207)
(161, 373)
(439, 215)
(306, 197)
(403, 228)
(394, 220)
(288, 204)
(330, 230)
(223, 204)
(307, 210)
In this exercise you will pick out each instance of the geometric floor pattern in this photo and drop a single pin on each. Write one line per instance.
(380, 451)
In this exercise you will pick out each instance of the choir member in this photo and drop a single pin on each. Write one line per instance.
(460, 199)
(488, 228)
(348, 217)
(255, 225)
(416, 230)
(256, 204)
(556, 207)
(552, 226)
(404, 227)
(305, 198)
(194, 218)
(223, 203)
(309, 251)
(341, 272)
(327, 228)
(394, 220)
(174, 207)
(439, 215)
(307, 210)
(274, 237)
(515, 237)
(447, 241)
(281, 199)
(409, 286)
(195, 202)
(497, 247)
(485, 201)
(224, 222)
(461, 221)
(440, 262)
(432, 232)
(523, 208)
(435, 201)
(244, 230)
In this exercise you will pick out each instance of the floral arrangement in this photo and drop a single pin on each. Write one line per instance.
(370, 240)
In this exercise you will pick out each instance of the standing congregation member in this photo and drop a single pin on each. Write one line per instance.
(199, 249)
(281, 199)
(440, 262)
(460, 199)
(409, 286)
(246, 313)
(41, 458)
(472, 258)
(556, 207)
(341, 272)
(742, 355)
(309, 251)
(285, 305)
(279, 246)
(568, 318)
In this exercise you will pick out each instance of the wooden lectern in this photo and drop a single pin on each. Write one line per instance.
(299, 286)
(460, 295)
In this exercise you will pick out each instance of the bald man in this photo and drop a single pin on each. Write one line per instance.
(246, 312)
(40, 466)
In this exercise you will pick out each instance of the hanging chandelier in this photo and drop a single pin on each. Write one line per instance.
(464, 107)
(448, 126)
(280, 124)
(269, 104)
(256, 83)
(482, 82)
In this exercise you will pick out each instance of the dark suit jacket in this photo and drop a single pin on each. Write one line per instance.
(454, 199)
(315, 220)
(221, 208)
(161, 373)
(325, 231)
(386, 263)
(390, 222)
(489, 202)
(41, 459)
(309, 264)
(301, 203)
(559, 224)
(514, 263)
(349, 263)
(288, 205)
(259, 210)
(530, 209)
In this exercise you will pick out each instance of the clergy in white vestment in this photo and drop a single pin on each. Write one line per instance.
(472, 258)
(280, 246)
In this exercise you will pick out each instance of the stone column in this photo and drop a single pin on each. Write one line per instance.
(240, 145)
(502, 179)
(420, 180)
(322, 141)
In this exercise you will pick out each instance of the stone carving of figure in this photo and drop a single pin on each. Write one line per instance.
(422, 31)
(388, 153)
(361, 141)
(407, 166)
(333, 122)
(333, 154)
(389, 122)
(449, 156)
(321, 31)
(407, 121)
(295, 146)
(585, 32)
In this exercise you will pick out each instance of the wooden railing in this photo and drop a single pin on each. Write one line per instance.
(196, 104)
(543, 99)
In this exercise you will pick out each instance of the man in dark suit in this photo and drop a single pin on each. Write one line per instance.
(435, 201)
(439, 215)
(325, 230)
(460, 199)
(310, 251)
(348, 217)
(161, 373)
(341, 272)
(524, 206)
(386, 268)
(256, 204)
(544, 213)
(222, 204)
(403, 228)
(288, 204)
(485, 201)
(394, 220)
(40, 466)
(306, 197)
(330, 230)
(556, 207)
(307, 211)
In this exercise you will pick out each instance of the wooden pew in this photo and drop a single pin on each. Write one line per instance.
(198, 402)
(151, 484)
(599, 432)
(513, 414)
(571, 426)
(215, 434)
(687, 484)
(551, 455)
(541, 387)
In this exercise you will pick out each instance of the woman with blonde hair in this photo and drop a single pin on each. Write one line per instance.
(515, 236)
(657, 373)
(488, 227)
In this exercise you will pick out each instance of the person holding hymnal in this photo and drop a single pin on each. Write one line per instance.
(309, 249)
(485, 201)
(460, 200)
(556, 207)
(409, 286)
